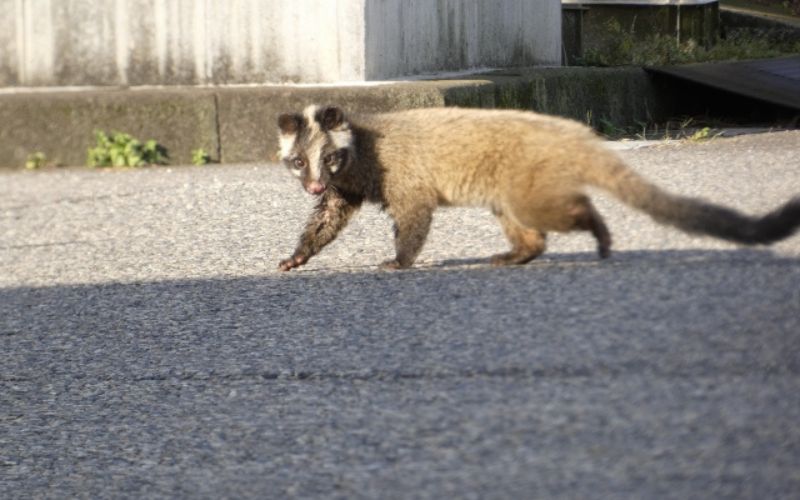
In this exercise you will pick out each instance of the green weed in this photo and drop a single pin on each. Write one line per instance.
(624, 48)
(123, 150)
(200, 157)
(36, 160)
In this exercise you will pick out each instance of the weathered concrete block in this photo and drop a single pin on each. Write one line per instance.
(61, 124)
(408, 38)
(9, 55)
(621, 96)
(187, 42)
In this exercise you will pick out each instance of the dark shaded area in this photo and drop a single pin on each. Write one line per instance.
(274, 323)
(709, 104)
(734, 88)
(653, 374)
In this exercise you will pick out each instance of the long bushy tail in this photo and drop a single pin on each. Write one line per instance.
(691, 214)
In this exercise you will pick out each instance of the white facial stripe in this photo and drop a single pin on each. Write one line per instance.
(309, 114)
(287, 143)
(314, 149)
(313, 153)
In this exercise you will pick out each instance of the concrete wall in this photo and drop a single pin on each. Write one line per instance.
(168, 42)
(406, 37)
(137, 42)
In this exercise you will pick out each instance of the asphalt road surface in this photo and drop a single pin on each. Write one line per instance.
(150, 348)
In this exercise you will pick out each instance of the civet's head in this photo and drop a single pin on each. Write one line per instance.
(315, 145)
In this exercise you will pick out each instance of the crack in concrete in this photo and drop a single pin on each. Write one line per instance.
(217, 126)
(512, 372)
(53, 244)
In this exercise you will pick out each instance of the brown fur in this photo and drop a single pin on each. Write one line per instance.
(528, 168)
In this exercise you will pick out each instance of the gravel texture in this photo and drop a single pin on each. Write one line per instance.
(151, 348)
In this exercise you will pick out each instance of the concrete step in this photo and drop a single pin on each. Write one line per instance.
(237, 124)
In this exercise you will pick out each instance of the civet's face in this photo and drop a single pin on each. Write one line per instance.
(315, 145)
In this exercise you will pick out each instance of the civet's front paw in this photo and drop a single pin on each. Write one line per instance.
(292, 262)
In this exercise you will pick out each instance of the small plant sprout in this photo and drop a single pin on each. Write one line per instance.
(35, 160)
(702, 134)
(123, 150)
(200, 157)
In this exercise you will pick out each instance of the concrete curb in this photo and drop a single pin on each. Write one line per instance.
(236, 124)
(61, 124)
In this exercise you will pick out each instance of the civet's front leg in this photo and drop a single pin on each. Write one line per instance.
(411, 226)
(329, 217)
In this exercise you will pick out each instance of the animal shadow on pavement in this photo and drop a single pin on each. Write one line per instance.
(621, 258)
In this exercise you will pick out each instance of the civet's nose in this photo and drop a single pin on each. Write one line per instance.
(315, 187)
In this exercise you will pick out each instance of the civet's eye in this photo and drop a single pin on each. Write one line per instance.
(299, 163)
(330, 159)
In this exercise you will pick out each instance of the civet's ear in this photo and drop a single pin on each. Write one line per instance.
(290, 123)
(330, 117)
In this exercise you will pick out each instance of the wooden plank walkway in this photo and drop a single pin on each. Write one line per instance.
(772, 80)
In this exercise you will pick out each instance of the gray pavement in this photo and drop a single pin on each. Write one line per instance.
(151, 349)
